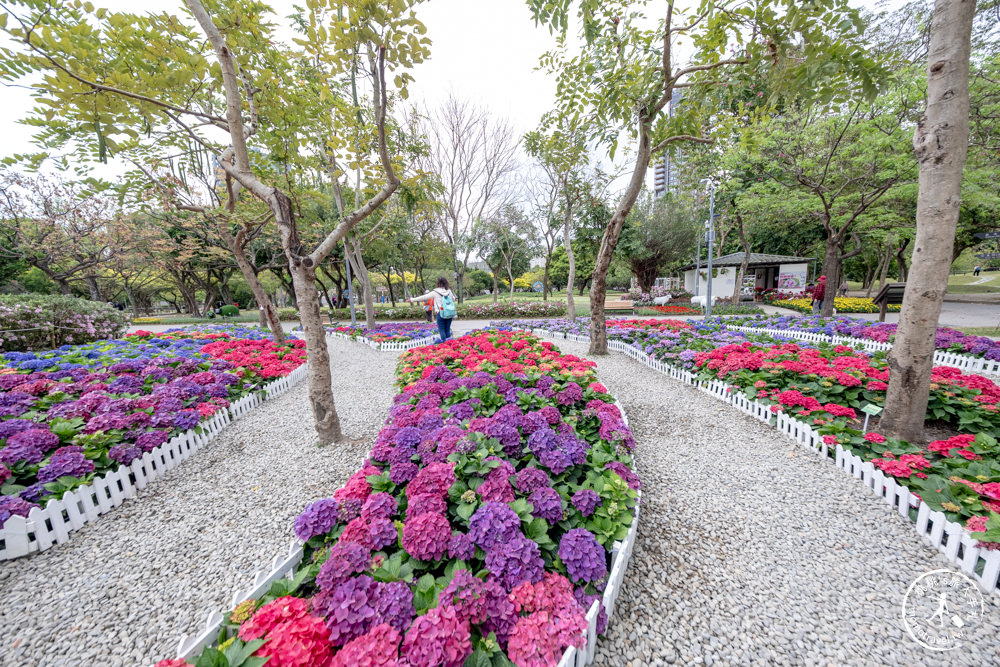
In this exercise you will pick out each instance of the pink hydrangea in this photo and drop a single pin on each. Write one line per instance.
(874, 437)
(439, 638)
(539, 639)
(422, 503)
(435, 478)
(426, 536)
(357, 486)
(379, 647)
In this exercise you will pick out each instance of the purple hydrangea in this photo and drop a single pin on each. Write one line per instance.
(349, 509)
(150, 440)
(547, 504)
(403, 472)
(11, 505)
(382, 533)
(515, 561)
(345, 560)
(586, 500)
(493, 523)
(465, 592)
(29, 446)
(186, 419)
(65, 464)
(318, 518)
(531, 478)
(461, 546)
(393, 604)
(11, 426)
(583, 555)
(348, 609)
(570, 395)
(586, 601)
(408, 437)
(35, 493)
(124, 453)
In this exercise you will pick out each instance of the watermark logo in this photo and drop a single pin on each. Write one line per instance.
(941, 609)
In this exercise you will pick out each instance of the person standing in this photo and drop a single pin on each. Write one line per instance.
(843, 288)
(819, 293)
(976, 270)
(443, 303)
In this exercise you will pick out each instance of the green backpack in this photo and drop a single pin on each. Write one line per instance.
(447, 307)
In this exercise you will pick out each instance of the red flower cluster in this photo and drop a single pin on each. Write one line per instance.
(493, 352)
(261, 358)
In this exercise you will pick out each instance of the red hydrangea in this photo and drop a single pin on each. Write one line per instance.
(293, 637)
(435, 478)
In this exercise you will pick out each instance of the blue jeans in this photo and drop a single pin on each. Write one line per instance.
(444, 327)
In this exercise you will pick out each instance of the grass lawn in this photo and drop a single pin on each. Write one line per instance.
(187, 319)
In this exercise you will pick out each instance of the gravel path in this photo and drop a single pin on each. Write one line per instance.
(754, 551)
(122, 590)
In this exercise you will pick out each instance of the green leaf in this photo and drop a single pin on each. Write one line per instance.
(212, 657)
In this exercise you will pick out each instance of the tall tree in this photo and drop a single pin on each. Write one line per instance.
(657, 233)
(941, 143)
(122, 72)
(474, 154)
(627, 73)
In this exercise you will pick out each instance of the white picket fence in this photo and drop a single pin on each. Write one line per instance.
(283, 567)
(401, 346)
(958, 360)
(45, 527)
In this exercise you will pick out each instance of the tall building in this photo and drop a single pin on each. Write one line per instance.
(666, 170)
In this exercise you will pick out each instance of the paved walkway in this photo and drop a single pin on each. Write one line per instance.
(752, 551)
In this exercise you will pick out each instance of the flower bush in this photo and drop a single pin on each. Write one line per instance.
(828, 385)
(495, 489)
(950, 340)
(392, 332)
(535, 308)
(640, 298)
(69, 414)
(668, 310)
(39, 322)
(843, 304)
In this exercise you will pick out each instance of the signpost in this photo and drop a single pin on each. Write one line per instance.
(537, 286)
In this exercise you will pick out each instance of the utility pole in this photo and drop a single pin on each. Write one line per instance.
(710, 238)
(697, 266)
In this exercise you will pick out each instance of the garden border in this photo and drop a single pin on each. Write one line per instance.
(45, 527)
(950, 538)
(283, 566)
(965, 362)
(386, 346)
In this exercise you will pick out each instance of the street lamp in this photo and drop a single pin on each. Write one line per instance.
(709, 239)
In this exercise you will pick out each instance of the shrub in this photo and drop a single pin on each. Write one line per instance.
(288, 314)
(147, 320)
(36, 321)
(229, 311)
(480, 311)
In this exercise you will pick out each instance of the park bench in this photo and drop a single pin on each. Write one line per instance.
(620, 304)
(891, 294)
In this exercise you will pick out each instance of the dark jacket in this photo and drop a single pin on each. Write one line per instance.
(819, 292)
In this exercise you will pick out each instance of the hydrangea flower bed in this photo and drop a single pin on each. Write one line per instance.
(480, 527)
(391, 332)
(69, 415)
(668, 310)
(950, 340)
(826, 386)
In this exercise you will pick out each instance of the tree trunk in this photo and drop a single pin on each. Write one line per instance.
(571, 278)
(599, 279)
(496, 285)
(267, 313)
(901, 260)
(510, 277)
(744, 265)
(941, 143)
(545, 277)
(95, 292)
(303, 280)
(64, 287)
(831, 269)
(362, 276)
(884, 275)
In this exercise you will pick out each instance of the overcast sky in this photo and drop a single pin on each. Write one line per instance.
(484, 51)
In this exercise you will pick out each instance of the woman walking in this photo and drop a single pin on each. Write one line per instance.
(443, 301)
